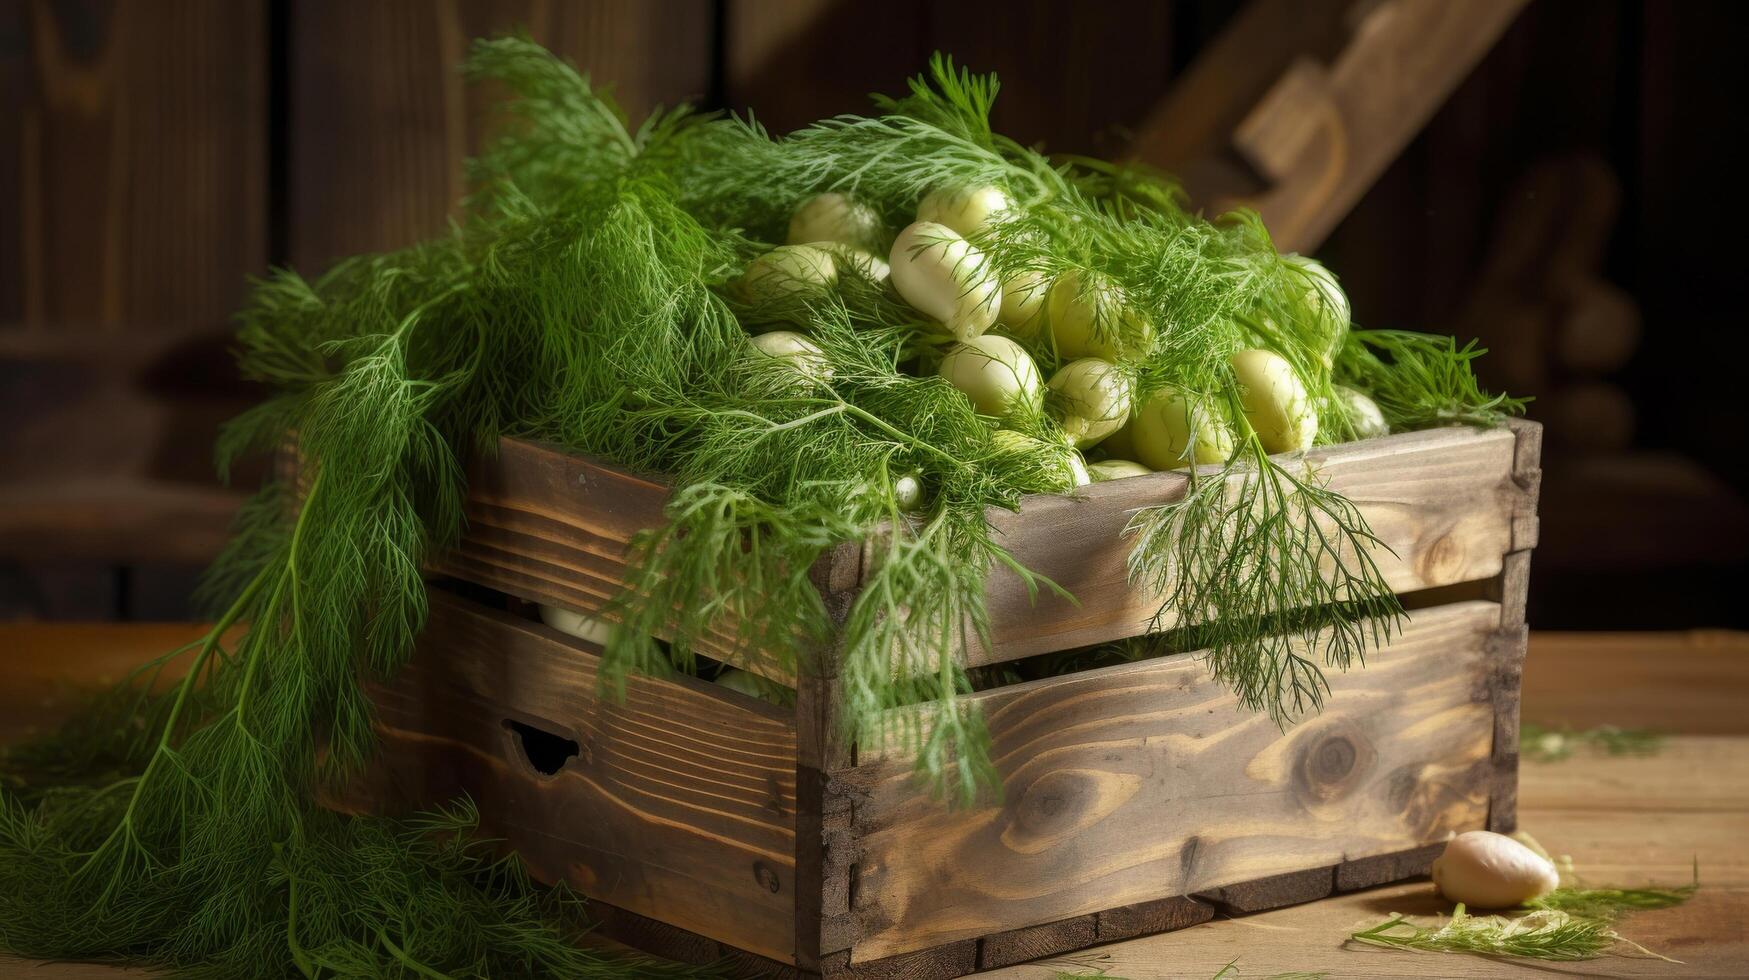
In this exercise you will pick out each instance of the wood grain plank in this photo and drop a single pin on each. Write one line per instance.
(1032, 942)
(382, 121)
(680, 804)
(1443, 500)
(552, 527)
(1624, 821)
(135, 140)
(823, 815)
(1693, 682)
(142, 139)
(1152, 917)
(1400, 757)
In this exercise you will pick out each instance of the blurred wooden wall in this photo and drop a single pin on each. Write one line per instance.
(155, 153)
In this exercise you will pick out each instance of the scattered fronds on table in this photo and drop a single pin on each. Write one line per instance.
(1573, 922)
(1543, 935)
(1231, 972)
(1543, 744)
(1611, 903)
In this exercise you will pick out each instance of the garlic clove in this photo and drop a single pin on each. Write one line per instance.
(1492, 871)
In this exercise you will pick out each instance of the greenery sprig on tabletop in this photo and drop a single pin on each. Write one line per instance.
(1544, 744)
(584, 300)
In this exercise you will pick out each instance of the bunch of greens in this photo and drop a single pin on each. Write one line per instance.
(584, 301)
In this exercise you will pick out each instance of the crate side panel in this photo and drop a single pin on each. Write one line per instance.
(553, 528)
(679, 804)
(1444, 501)
(1144, 781)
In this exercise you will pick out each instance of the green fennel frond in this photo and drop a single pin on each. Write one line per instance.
(1548, 935)
(1275, 574)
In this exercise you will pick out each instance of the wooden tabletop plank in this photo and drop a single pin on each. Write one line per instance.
(1624, 820)
(1691, 682)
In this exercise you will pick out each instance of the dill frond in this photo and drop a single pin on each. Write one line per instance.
(1611, 903)
(1542, 744)
(1543, 935)
(1420, 381)
(1247, 544)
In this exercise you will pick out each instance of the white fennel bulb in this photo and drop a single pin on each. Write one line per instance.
(995, 373)
(1324, 295)
(1090, 399)
(787, 271)
(1088, 318)
(967, 210)
(848, 258)
(1363, 413)
(945, 278)
(834, 217)
(1023, 304)
(1175, 430)
(796, 352)
(1122, 443)
(1276, 401)
(1115, 469)
(579, 625)
(1067, 469)
(908, 492)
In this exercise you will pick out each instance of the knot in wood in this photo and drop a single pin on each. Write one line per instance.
(1334, 758)
(766, 877)
(1441, 561)
(1060, 804)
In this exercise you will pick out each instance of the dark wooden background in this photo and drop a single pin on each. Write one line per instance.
(1573, 204)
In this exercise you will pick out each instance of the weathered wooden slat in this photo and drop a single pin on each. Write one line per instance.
(821, 816)
(1444, 500)
(1148, 918)
(679, 804)
(1400, 756)
(551, 527)
(1032, 942)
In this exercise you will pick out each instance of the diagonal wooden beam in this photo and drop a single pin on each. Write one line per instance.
(1299, 106)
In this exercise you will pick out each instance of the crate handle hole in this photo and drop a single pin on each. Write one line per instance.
(545, 752)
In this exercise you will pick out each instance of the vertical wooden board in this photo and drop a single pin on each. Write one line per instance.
(1072, 82)
(382, 120)
(133, 207)
(140, 134)
(679, 803)
(792, 62)
(1443, 502)
(1139, 782)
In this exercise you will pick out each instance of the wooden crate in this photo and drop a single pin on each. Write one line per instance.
(1138, 798)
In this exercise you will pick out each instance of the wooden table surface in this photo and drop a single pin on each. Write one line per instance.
(1623, 820)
